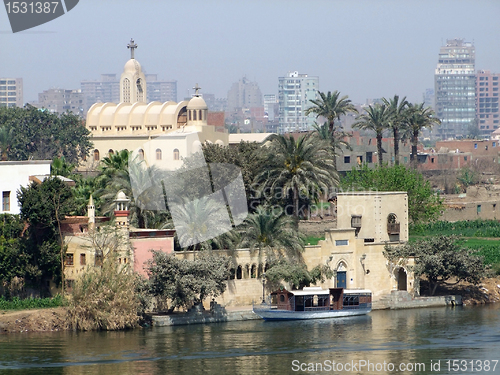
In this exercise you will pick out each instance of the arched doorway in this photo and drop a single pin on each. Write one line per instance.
(341, 275)
(401, 277)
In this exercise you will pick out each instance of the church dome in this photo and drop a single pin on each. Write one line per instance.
(197, 102)
(132, 66)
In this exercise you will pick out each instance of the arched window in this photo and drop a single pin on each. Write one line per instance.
(141, 154)
(176, 154)
(158, 154)
(96, 155)
(194, 115)
(239, 273)
(190, 118)
(253, 271)
(110, 152)
(126, 90)
(200, 115)
(232, 274)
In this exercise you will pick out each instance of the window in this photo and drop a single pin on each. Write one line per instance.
(83, 261)
(6, 201)
(369, 157)
(96, 155)
(110, 152)
(347, 159)
(341, 242)
(69, 259)
(158, 154)
(465, 158)
(494, 206)
(494, 144)
(478, 209)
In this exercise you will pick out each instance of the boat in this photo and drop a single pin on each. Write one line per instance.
(315, 303)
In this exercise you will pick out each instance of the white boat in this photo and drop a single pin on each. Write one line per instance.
(315, 303)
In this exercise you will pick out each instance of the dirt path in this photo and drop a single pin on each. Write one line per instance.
(38, 320)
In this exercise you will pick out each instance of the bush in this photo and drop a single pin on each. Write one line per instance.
(105, 298)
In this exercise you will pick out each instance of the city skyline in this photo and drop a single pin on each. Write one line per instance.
(364, 49)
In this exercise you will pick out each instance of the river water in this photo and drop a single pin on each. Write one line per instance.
(420, 341)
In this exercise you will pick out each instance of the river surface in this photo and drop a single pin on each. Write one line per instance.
(418, 341)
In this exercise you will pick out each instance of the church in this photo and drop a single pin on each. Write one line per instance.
(161, 133)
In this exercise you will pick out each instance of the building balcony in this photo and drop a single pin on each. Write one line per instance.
(393, 228)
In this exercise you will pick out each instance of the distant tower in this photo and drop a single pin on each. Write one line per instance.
(122, 210)
(455, 88)
(295, 92)
(132, 80)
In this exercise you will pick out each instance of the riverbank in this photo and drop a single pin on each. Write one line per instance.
(54, 319)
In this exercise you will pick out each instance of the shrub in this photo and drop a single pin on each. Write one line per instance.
(105, 298)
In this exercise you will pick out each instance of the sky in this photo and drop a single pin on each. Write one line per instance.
(363, 48)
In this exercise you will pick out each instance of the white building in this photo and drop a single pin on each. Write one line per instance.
(295, 92)
(13, 175)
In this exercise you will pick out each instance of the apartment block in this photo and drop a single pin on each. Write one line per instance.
(295, 91)
(11, 92)
(487, 101)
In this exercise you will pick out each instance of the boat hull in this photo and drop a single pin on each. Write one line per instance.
(275, 314)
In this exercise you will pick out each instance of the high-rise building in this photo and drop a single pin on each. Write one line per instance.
(106, 90)
(60, 101)
(160, 91)
(455, 89)
(243, 94)
(11, 92)
(487, 101)
(294, 94)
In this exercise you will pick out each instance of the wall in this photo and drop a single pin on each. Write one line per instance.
(14, 174)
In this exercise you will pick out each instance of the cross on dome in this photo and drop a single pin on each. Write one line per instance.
(196, 89)
(132, 46)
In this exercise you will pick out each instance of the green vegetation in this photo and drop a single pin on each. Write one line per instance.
(16, 303)
(30, 133)
(182, 283)
(313, 240)
(295, 273)
(475, 228)
(441, 259)
(423, 204)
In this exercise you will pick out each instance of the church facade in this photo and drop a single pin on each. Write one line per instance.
(161, 133)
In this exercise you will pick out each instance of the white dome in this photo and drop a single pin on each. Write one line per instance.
(121, 196)
(197, 102)
(132, 66)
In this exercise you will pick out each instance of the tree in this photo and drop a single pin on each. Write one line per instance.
(331, 106)
(271, 233)
(43, 207)
(13, 258)
(41, 135)
(375, 119)
(423, 204)
(6, 136)
(296, 167)
(398, 112)
(441, 259)
(417, 119)
(185, 282)
(60, 167)
(296, 274)
(335, 139)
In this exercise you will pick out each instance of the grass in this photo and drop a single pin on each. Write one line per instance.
(30, 303)
(312, 240)
(475, 228)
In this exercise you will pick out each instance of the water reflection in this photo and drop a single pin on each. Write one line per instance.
(257, 347)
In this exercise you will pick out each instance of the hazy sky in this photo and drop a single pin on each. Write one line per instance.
(364, 49)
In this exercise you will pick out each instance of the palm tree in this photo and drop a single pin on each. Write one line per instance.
(268, 233)
(397, 122)
(294, 167)
(336, 140)
(418, 118)
(331, 106)
(375, 119)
